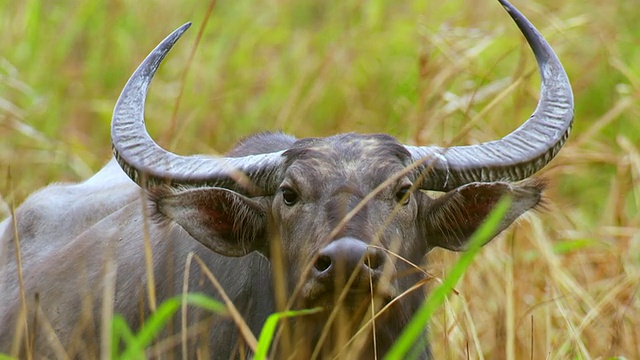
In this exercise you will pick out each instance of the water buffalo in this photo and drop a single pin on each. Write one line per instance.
(331, 223)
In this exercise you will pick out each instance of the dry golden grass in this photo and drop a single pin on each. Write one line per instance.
(562, 284)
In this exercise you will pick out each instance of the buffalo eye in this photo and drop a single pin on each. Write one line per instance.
(403, 195)
(289, 196)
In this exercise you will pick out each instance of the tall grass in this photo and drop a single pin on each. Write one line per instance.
(563, 283)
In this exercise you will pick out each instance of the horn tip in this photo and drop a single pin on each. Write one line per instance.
(177, 33)
(507, 5)
(185, 26)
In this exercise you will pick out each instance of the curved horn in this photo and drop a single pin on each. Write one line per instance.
(149, 165)
(521, 153)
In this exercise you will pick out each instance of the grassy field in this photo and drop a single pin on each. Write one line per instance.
(562, 284)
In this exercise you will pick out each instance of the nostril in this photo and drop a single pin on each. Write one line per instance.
(374, 259)
(322, 263)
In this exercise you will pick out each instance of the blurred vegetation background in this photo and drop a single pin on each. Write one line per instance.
(561, 284)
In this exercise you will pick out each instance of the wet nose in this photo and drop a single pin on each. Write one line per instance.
(342, 257)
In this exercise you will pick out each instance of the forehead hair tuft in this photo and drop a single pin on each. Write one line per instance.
(349, 147)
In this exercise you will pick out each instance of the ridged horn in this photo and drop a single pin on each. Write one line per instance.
(524, 151)
(149, 165)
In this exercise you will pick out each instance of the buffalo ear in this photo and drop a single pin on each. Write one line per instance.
(226, 222)
(452, 218)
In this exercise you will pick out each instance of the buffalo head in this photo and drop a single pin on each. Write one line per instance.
(344, 215)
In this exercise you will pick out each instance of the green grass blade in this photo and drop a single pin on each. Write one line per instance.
(269, 328)
(154, 324)
(135, 345)
(120, 331)
(415, 329)
(205, 302)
